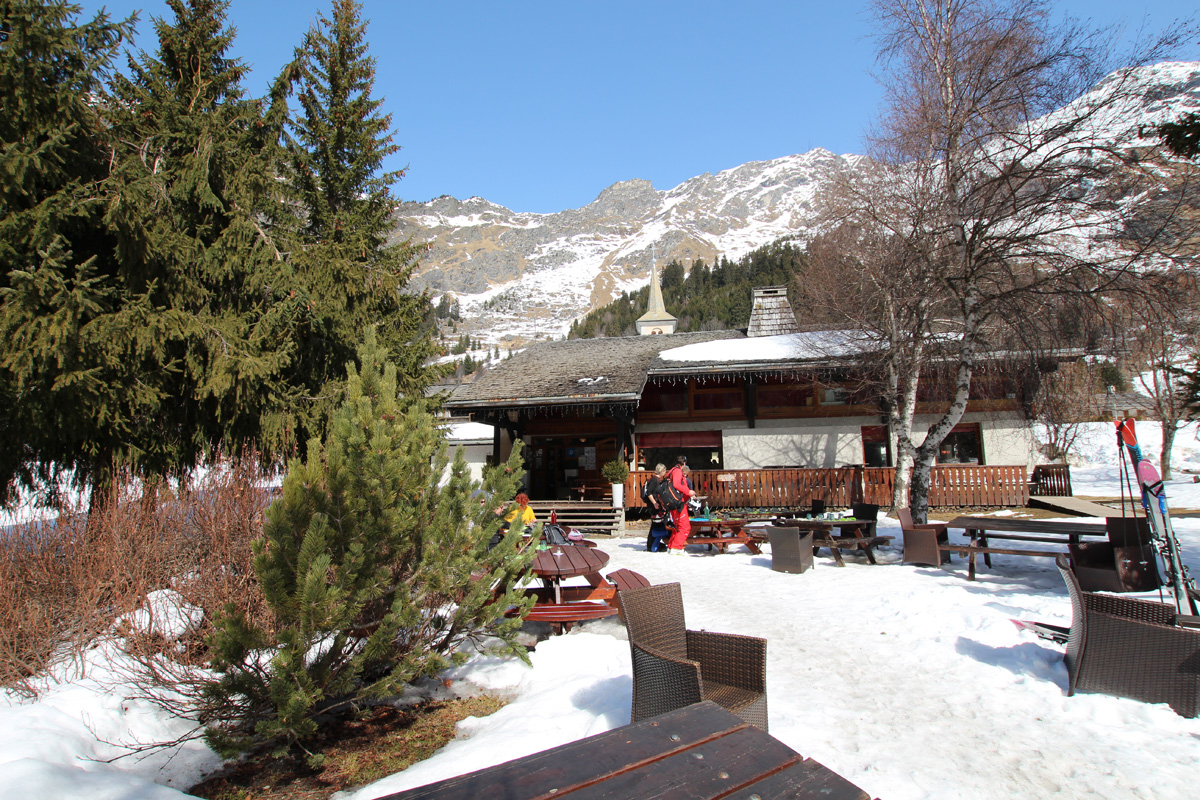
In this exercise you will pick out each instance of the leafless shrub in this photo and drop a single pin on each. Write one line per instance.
(86, 574)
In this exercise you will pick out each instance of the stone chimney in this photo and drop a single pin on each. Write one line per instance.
(772, 314)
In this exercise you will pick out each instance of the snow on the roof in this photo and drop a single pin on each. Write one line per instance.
(808, 345)
(468, 431)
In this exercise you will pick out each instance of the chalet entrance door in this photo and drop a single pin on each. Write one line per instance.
(568, 467)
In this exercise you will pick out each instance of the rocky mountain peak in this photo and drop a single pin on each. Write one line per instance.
(519, 276)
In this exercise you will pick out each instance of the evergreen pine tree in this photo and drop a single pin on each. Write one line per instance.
(336, 145)
(377, 572)
(194, 199)
(73, 389)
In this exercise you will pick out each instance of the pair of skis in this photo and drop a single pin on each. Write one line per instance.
(1154, 502)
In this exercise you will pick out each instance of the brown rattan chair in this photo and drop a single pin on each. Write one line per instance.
(674, 667)
(921, 541)
(1130, 648)
(790, 552)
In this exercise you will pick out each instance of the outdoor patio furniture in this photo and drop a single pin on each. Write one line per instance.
(1130, 648)
(921, 541)
(623, 580)
(991, 536)
(674, 667)
(701, 752)
(865, 510)
(790, 552)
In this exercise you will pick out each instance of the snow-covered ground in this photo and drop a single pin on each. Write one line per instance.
(910, 681)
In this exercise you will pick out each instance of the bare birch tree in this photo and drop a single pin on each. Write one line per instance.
(873, 280)
(1004, 122)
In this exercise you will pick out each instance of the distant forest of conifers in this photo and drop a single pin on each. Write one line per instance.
(706, 299)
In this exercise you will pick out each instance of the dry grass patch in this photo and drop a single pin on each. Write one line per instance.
(382, 741)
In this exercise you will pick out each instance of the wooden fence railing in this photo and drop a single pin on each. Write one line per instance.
(841, 486)
(1050, 480)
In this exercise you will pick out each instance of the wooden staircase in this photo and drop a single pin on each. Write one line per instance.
(589, 518)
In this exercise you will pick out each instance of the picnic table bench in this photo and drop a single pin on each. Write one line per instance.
(837, 544)
(722, 534)
(564, 606)
(861, 536)
(980, 529)
(701, 752)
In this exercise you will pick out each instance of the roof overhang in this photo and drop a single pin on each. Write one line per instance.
(527, 402)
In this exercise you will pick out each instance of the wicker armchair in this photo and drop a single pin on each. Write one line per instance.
(1130, 648)
(921, 541)
(790, 552)
(674, 667)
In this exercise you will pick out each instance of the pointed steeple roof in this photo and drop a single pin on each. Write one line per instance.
(656, 319)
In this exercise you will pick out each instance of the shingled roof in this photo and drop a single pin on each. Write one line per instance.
(575, 371)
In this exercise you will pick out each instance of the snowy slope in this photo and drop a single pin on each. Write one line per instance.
(519, 276)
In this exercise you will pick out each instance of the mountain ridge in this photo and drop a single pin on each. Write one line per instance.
(519, 276)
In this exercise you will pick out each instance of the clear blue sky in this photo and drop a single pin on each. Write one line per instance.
(539, 106)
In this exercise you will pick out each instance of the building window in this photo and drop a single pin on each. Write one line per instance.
(718, 401)
(718, 395)
(783, 397)
(834, 396)
(665, 398)
(964, 445)
(876, 447)
(702, 448)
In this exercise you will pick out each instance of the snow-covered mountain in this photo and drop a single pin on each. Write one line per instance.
(519, 276)
(524, 275)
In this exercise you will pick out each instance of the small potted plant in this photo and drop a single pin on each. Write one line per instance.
(615, 472)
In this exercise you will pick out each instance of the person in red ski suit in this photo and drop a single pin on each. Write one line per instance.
(683, 523)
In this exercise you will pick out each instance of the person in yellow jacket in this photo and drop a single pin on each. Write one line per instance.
(521, 513)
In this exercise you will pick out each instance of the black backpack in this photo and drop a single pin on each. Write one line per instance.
(555, 535)
(670, 497)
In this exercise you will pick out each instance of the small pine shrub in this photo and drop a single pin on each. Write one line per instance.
(377, 572)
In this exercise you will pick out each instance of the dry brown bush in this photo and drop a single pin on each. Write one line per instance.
(64, 583)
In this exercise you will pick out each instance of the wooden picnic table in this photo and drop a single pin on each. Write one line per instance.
(722, 534)
(861, 535)
(1018, 529)
(699, 752)
(563, 606)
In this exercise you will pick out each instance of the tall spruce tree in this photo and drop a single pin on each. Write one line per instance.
(74, 348)
(337, 144)
(377, 571)
(195, 200)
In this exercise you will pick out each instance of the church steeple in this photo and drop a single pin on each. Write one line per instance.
(656, 319)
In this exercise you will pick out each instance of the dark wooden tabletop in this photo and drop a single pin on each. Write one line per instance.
(1025, 525)
(567, 561)
(717, 524)
(701, 752)
(865, 526)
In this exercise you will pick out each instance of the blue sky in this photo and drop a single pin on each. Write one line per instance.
(539, 106)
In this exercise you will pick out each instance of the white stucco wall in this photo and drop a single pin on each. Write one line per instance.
(476, 456)
(475, 439)
(1008, 439)
(825, 443)
(783, 443)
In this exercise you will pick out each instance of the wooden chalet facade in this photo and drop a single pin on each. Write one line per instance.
(728, 400)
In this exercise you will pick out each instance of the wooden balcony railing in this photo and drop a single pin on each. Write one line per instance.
(1050, 480)
(965, 485)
